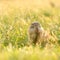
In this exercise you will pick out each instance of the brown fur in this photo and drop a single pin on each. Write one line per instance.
(36, 34)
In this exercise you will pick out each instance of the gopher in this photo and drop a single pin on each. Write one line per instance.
(36, 34)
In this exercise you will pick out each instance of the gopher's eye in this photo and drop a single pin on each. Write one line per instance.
(32, 27)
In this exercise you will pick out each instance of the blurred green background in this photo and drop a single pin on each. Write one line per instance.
(15, 19)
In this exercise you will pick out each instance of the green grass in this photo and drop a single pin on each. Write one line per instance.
(30, 53)
(15, 19)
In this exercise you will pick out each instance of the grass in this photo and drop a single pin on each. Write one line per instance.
(15, 19)
(30, 53)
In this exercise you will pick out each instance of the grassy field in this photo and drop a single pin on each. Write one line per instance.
(30, 53)
(15, 18)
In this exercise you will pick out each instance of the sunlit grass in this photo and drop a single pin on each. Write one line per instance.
(15, 18)
(30, 53)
